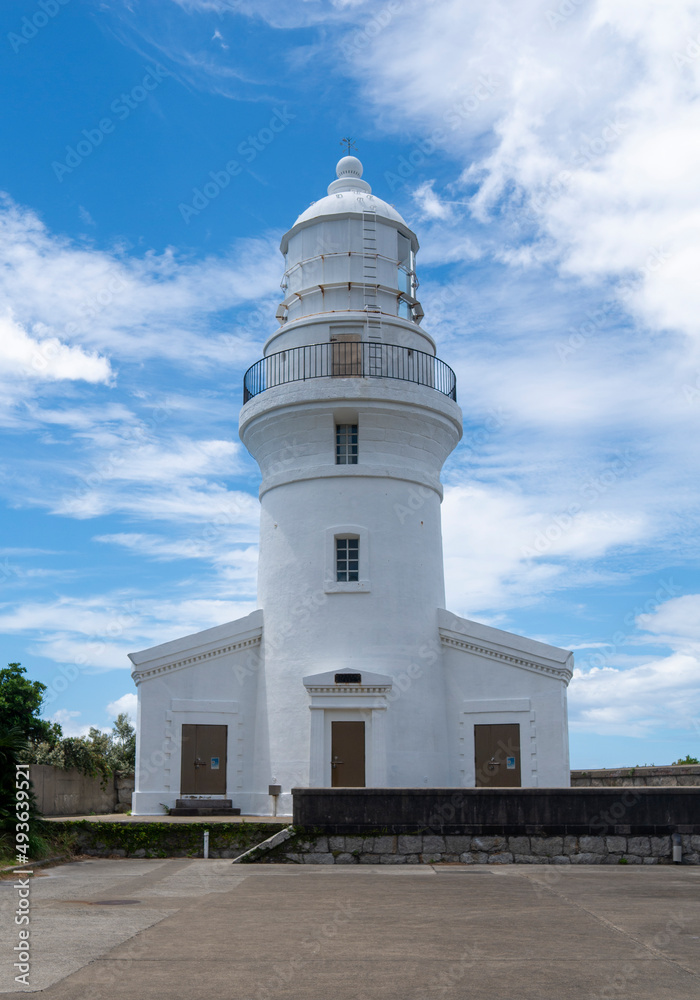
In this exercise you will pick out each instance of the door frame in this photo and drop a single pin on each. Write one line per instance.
(497, 712)
(364, 702)
(186, 711)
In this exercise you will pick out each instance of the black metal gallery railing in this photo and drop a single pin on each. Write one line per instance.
(343, 359)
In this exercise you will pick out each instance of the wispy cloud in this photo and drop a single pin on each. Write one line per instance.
(429, 204)
(130, 308)
(599, 169)
(127, 703)
(95, 634)
(635, 694)
(68, 721)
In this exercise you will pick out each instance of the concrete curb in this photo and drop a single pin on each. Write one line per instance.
(266, 845)
(36, 864)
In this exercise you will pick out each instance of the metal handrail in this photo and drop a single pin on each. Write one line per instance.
(341, 253)
(343, 359)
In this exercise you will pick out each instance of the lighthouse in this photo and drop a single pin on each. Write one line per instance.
(350, 418)
(352, 673)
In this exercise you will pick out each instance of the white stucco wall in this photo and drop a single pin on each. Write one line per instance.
(208, 678)
(318, 329)
(390, 500)
(492, 676)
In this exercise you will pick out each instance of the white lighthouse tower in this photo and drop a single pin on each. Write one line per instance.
(351, 419)
(352, 673)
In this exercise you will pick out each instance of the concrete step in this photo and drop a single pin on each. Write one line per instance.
(204, 807)
(195, 803)
(204, 811)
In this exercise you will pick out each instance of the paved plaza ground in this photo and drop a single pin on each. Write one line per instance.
(209, 929)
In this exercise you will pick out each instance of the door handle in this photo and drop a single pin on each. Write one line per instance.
(198, 762)
(494, 762)
(335, 761)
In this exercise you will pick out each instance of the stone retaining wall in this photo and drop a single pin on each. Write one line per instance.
(424, 848)
(72, 793)
(105, 839)
(678, 775)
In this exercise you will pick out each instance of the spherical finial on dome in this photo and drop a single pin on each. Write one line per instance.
(348, 166)
(349, 173)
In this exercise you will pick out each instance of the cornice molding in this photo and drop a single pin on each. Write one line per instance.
(231, 647)
(400, 473)
(347, 690)
(456, 642)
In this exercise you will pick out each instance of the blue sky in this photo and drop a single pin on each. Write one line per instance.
(546, 154)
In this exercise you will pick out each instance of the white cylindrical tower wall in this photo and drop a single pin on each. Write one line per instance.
(385, 623)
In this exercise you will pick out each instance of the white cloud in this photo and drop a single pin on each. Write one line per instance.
(142, 463)
(676, 622)
(157, 305)
(585, 130)
(42, 356)
(222, 550)
(66, 720)
(196, 502)
(661, 691)
(85, 216)
(502, 551)
(429, 204)
(127, 703)
(94, 634)
(158, 547)
(182, 458)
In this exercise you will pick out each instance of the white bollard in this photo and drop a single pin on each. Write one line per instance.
(206, 843)
(677, 848)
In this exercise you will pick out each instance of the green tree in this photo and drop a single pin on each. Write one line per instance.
(122, 751)
(11, 742)
(687, 760)
(97, 754)
(20, 704)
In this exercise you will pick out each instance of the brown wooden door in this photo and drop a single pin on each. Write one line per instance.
(348, 754)
(347, 354)
(203, 770)
(497, 755)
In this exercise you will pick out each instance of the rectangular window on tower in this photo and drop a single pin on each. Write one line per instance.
(347, 559)
(346, 444)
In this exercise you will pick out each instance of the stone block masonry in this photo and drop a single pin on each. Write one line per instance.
(669, 776)
(430, 848)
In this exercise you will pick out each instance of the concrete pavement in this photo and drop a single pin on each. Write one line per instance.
(215, 930)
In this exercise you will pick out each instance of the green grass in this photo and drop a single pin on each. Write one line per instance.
(44, 842)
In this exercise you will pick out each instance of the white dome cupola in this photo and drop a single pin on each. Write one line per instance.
(351, 255)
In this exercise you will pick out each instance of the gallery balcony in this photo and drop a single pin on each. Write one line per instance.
(349, 360)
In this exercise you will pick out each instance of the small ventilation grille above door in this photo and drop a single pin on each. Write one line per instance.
(348, 678)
